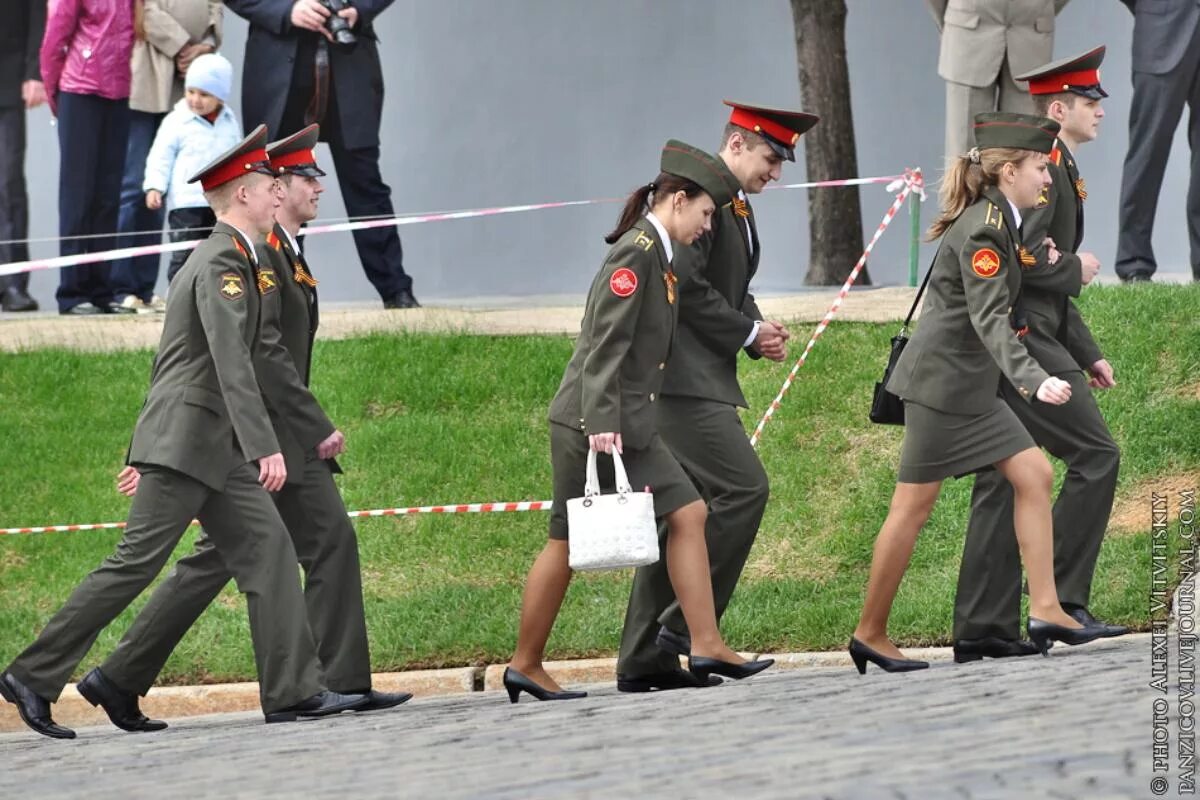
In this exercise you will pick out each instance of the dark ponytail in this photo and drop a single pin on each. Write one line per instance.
(638, 202)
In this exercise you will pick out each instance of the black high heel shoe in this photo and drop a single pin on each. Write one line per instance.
(704, 667)
(516, 683)
(861, 654)
(1044, 634)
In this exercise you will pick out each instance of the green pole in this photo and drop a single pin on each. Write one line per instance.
(914, 243)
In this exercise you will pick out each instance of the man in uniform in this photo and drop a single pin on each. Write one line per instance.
(201, 428)
(309, 502)
(983, 44)
(697, 415)
(988, 604)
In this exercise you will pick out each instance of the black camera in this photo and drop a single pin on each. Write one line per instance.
(338, 27)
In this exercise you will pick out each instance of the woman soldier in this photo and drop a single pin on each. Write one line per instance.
(949, 374)
(606, 402)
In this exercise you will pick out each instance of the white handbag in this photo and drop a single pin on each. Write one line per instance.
(611, 531)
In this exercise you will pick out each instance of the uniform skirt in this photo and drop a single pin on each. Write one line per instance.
(652, 466)
(939, 445)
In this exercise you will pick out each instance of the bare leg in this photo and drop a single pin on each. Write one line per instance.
(544, 591)
(911, 505)
(687, 566)
(1032, 479)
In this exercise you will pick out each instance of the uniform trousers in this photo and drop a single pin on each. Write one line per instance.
(710, 442)
(988, 602)
(327, 548)
(244, 525)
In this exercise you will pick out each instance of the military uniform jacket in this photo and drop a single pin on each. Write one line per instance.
(1058, 337)
(965, 338)
(284, 356)
(616, 372)
(716, 310)
(204, 414)
(978, 35)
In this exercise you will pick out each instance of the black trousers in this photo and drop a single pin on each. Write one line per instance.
(14, 201)
(92, 133)
(188, 224)
(363, 190)
(1154, 113)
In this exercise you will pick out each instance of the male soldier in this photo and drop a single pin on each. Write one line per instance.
(984, 43)
(697, 413)
(988, 605)
(309, 502)
(202, 425)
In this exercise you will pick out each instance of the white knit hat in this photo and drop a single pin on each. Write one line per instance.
(211, 73)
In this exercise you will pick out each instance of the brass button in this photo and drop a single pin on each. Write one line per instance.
(652, 397)
(1024, 390)
(662, 365)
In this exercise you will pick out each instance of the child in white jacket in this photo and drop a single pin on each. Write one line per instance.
(199, 128)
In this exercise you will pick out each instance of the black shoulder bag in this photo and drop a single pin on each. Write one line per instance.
(887, 408)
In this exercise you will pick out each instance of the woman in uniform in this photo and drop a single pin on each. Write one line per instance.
(606, 401)
(949, 374)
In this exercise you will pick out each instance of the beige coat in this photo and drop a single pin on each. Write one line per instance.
(977, 35)
(169, 24)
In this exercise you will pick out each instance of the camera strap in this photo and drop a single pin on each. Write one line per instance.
(315, 112)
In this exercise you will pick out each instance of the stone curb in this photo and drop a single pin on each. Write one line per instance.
(172, 702)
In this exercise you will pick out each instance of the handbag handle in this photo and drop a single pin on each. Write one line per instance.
(591, 485)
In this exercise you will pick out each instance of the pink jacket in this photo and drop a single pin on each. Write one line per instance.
(87, 47)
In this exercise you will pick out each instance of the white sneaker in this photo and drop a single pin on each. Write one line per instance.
(133, 303)
(157, 304)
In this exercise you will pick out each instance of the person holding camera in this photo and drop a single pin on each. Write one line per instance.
(317, 61)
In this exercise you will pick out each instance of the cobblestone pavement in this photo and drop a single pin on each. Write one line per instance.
(1076, 725)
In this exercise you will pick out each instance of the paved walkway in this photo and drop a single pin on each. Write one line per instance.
(1076, 725)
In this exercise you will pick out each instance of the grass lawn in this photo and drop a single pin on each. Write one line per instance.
(455, 418)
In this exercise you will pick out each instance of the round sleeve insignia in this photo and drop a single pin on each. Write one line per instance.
(985, 262)
(623, 282)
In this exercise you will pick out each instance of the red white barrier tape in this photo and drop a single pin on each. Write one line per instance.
(461, 508)
(153, 249)
(910, 182)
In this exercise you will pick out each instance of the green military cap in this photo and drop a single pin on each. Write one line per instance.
(1021, 131)
(247, 156)
(781, 129)
(699, 167)
(1079, 74)
(294, 155)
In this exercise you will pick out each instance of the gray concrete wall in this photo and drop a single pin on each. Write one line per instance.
(497, 102)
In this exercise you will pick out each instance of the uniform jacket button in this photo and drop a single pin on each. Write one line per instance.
(662, 365)
(652, 397)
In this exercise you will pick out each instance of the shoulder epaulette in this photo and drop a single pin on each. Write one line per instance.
(994, 217)
(274, 241)
(237, 242)
(1056, 155)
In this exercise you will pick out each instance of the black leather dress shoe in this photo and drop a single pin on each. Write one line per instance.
(403, 299)
(991, 647)
(377, 701)
(121, 706)
(16, 299)
(1084, 617)
(679, 644)
(319, 705)
(664, 681)
(33, 708)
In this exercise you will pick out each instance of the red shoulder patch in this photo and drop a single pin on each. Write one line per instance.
(273, 241)
(985, 262)
(623, 282)
(1056, 155)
